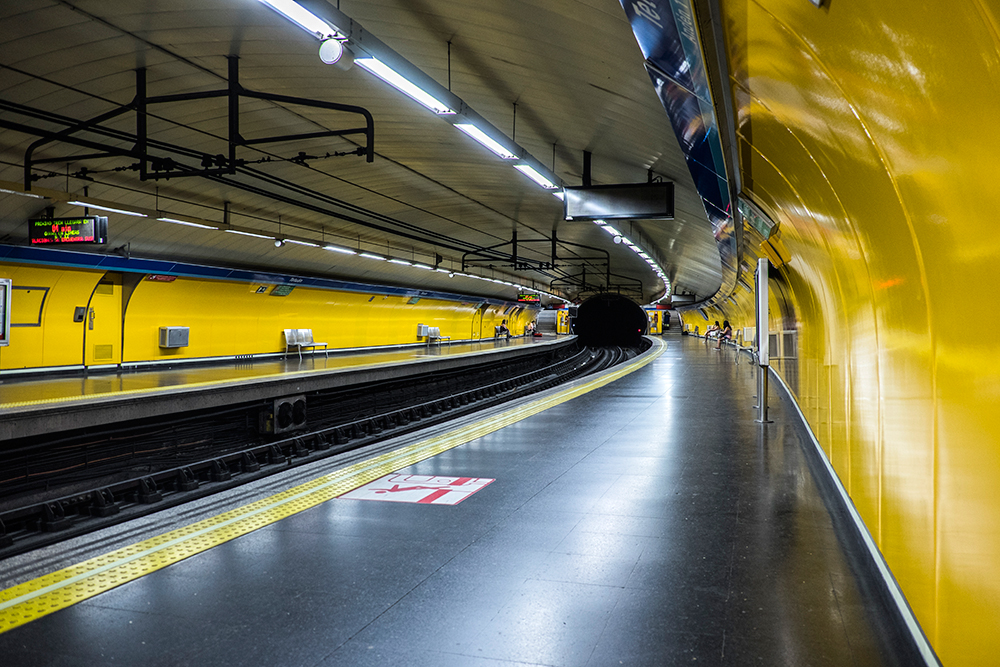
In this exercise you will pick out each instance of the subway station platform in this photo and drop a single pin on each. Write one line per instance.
(34, 405)
(640, 517)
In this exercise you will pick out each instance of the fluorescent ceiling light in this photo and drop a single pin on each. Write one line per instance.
(561, 196)
(185, 222)
(303, 18)
(400, 261)
(314, 245)
(107, 208)
(531, 173)
(423, 266)
(485, 140)
(402, 84)
(611, 230)
(334, 248)
(600, 222)
(368, 255)
(259, 236)
(22, 194)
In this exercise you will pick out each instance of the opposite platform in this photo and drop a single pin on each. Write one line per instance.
(34, 406)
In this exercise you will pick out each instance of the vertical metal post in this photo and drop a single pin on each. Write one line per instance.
(140, 122)
(760, 278)
(235, 138)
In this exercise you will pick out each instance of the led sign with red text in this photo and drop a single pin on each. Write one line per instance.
(529, 298)
(91, 229)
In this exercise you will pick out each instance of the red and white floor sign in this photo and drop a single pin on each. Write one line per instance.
(401, 488)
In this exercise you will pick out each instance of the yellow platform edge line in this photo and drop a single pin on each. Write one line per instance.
(39, 597)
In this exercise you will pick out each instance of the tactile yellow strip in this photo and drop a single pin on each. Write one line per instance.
(58, 590)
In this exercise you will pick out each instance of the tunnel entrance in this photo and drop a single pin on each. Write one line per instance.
(610, 319)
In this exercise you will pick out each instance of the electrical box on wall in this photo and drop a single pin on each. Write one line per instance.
(174, 336)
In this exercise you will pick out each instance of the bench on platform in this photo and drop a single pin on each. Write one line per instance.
(300, 338)
(434, 335)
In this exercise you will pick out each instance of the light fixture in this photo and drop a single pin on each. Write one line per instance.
(108, 208)
(331, 50)
(423, 266)
(278, 243)
(185, 222)
(611, 230)
(303, 18)
(404, 85)
(334, 51)
(259, 236)
(531, 173)
(345, 251)
(368, 255)
(312, 245)
(21, 194)
(485, 140)
(618, 239)
(560, 195)
(402, 262)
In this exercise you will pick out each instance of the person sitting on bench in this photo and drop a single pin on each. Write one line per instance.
(725, 334)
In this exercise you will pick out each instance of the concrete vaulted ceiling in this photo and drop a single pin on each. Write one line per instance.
(572, 68)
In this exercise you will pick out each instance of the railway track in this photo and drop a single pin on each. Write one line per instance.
(54, 488)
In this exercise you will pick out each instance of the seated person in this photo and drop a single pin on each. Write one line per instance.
(502, 330)
(725, 334)
(713, 330)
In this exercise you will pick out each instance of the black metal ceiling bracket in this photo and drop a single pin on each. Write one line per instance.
(495, 259)
(157, 167)
(219, 164)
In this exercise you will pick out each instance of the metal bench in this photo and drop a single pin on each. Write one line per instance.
(434, 335)
(300, 338)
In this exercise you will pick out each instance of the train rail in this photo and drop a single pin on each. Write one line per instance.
(64, 485)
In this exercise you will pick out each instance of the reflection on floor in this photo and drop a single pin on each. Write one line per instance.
(649, 522)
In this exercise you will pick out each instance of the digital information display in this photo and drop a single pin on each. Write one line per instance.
(5, 290)
(529, 298)
(92, 229)
(282, 290)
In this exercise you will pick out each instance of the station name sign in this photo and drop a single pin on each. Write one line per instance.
(91, 229)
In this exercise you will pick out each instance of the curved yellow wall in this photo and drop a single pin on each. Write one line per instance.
(226, 318)
(868, 131)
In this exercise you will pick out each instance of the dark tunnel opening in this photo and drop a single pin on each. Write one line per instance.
(610, 319)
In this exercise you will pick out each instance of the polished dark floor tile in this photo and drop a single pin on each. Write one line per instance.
(650, 522)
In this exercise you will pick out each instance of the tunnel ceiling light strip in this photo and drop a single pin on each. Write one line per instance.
(108, 208)
(611, 230)
(21, 194)
(305, 19)
(186, 223)
(306, 243)
(534, 175)
(334, 248)
(404, 85)
(259, 236)
(402, 262)
(486, 140)
(368, 255)
(423, 266)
